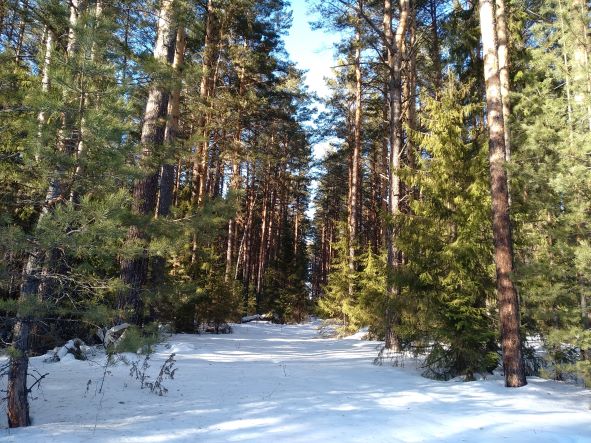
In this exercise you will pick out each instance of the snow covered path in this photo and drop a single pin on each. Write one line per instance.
(276, 383)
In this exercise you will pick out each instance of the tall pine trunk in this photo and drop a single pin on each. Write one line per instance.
(167, 173)
(354, 200)
(503, 54)
(134, 271)
(394, 43)
(508, 301)
(207, 87)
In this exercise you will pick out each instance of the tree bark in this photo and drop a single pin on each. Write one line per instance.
(394, 43)
(167, 173)
(503, 57)
(134, 271)
(410, 87)
(207, 87)
(18, 405)
(234, 185)
(508, 301)
(45, 82)
(355, 162)
(263, 240)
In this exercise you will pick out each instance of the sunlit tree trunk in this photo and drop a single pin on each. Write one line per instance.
(503, 57)
(45, 84)
(355, 163)
(410, 87)
(394, 43)
(206, 90)
(134, 271)
(167, 173)
(508, 301)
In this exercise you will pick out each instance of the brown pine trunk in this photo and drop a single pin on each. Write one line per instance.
(410, 87)
(508, 301)
(167, 173)
(503, 57)
(244, 253)
(234, 185)
(355, 163)
(134, 271)
(376, 197)
(18, 405)
(385, 166)
(206, 91)
(394, 44)
(260, 266)
(236, 177)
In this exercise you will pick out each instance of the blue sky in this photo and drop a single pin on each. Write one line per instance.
(311, 50)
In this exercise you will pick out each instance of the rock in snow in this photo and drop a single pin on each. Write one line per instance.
(277, 383)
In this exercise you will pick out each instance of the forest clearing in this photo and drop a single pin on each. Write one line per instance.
(287, 383)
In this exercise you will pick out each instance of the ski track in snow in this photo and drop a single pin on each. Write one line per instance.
(284, 383)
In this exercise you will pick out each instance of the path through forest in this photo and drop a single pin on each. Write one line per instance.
(286, 384)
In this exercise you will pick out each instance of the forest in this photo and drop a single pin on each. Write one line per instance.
(157, 170)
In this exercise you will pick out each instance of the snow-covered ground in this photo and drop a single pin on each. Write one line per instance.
(272, 383)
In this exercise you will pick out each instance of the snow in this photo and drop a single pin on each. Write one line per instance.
(269, 382)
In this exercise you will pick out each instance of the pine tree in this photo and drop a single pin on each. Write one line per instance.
(502, 237)
(448, 239)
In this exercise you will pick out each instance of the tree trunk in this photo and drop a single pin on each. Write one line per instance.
(18, 405)
(394, 43)
(234, 185)
(134, 271)
(206, 91)
(503, 54)
(45, 83)
(167, 173)
(355, 162)
(263, 237)
(503, 245)
(410, 92)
